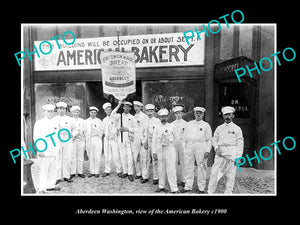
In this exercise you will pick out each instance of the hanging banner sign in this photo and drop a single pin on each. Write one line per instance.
(118, 73)
(151, 50)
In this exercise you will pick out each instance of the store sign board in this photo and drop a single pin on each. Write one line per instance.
(151, 50)
(118, 73)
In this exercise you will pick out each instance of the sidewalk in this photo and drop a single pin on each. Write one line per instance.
(248, 181)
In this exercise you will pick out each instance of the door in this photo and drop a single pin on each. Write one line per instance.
(169, 93)
(243, 97)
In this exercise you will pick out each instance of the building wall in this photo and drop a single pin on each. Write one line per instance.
(266, 118)
(251, 41)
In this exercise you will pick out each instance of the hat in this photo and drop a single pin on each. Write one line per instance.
(149, 106)
(94, 108)
(138, 103)
(127, 103)
(105, 105)
(163, 112)
(198, 108)
(61, 104)
(48, 107)
(177, 109)
(75, 107)
(227, 109)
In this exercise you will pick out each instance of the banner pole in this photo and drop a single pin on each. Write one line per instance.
(118, 38)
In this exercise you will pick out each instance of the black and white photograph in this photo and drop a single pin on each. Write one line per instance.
(149, 109)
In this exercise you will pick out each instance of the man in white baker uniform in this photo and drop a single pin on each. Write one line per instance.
(164, 137)
(126, 132)
(78, 137)
(62, 121)
(228, 143)
(180, 126)
(151, 123)
(140, 122)
(198, 146)
(48, 159)
(111, 148)
(94, 132)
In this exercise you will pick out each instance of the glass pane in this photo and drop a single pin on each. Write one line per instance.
(136, 30)
(245, 41)
(168, 94)
(226, 51)
(51, 93)
(233, 94)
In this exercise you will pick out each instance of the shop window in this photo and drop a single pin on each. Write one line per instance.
(136, 30)
(168, 94)
(233, 94)
(245, 41)
(162, 29)
(111, 30)
(226, 50)
(51, 93)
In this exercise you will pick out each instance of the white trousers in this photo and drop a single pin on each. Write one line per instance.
(126, 156)
(145, 162)
(47, 172)
(64, 160)
(111, 153)
(77, 156)
(154, 163)
(230, 174)
(180, 168)
(137, 148)
(94, 149)
(166, 167)
(194, 151)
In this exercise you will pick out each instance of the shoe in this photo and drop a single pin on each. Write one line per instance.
(185, 191)
(175, 192)
(105, 175)
(130, 177)
(96, 175)
(181, 184)
(53, 189)
(201, 192)
(124, 175)
(91, 175)
(81, 175)
(155, 181)
(72, 175)
(160, 190)
(144, 180)
(119, 174)
(57, 182)
(137, 177)
(68, 180)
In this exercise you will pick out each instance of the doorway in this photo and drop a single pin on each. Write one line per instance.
(243, 97)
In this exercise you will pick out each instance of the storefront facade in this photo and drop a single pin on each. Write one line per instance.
(168, 72)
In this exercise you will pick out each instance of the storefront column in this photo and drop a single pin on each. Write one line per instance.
(209, 72)
(28, 94)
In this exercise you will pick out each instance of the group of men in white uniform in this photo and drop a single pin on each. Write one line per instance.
(133, 142)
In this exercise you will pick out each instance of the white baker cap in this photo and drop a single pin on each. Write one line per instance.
(48, 107)
(105, 105)
(227, 109)
(75, 107)
(138, 103)
(127, 103)
(163, 112)
(177, 109)
(149, 106)
(94, 108)
(198, 108)
(61, 104)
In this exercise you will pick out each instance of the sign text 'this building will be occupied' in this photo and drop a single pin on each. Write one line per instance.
(48, 48)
